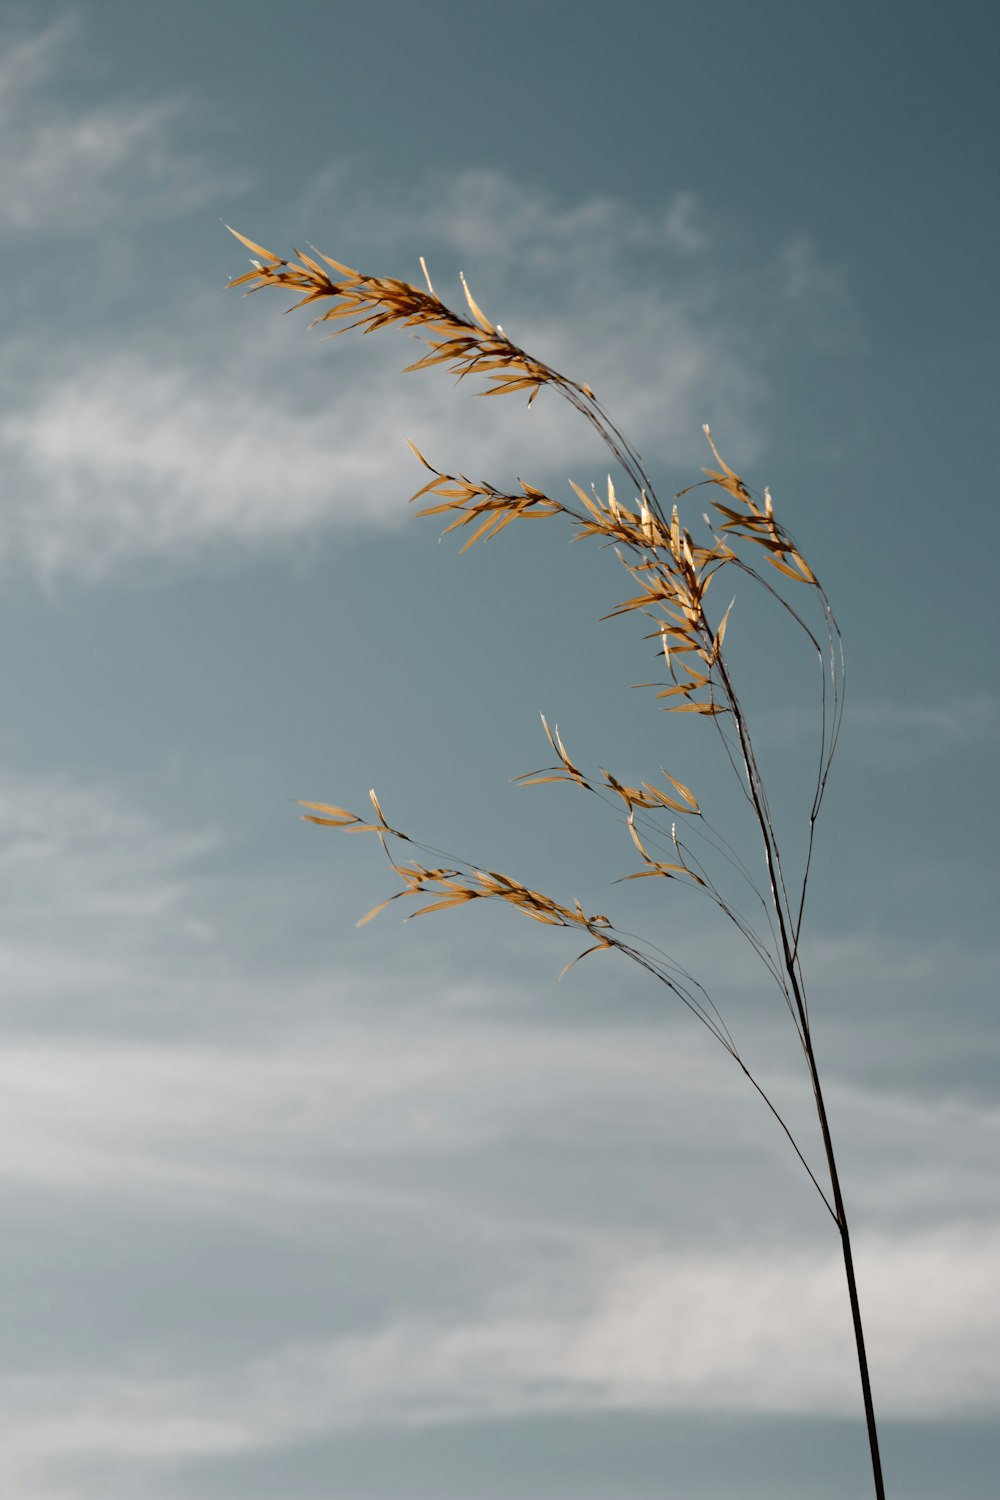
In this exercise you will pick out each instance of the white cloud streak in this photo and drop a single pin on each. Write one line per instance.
(487, 218)
(123, 463)
(96, 894)
(185, 441)
(898, 732)
(323, 1115)
(73, 171)
(719, 1333)
(123, 459)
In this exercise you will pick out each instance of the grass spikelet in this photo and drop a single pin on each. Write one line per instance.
(670, 571)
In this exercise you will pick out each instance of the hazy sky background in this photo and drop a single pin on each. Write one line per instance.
(296, 1209)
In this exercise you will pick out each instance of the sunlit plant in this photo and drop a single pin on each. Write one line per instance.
(670, 574)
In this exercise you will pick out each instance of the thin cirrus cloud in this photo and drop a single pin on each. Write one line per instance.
(181, 440)
(80, 867)
(486, 219)
(119, 456)
(315, 1112)
(128, 461)
(125, 459)
(896, 732)
(93, 887)
(176, 441)
(77, 170)
(714, 1327)
(721, 1333)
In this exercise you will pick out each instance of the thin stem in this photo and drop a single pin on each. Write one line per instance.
(789, 942)
(476, 347)
(795, 1146)
(852, 1285)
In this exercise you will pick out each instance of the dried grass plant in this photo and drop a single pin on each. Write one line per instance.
(670, 574)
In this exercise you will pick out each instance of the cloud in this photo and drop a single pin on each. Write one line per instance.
(162, 1047)
(87, 883)
(896, 732)
(912, 733)
(487, 218)
(554, 1171)
(75, 170)
(717, 1333)
(80, 846)
(126, 462)
(112, 915)
(225, 432)
(770, 1331)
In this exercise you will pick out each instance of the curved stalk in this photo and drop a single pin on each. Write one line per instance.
(672, 573)
(789, 944)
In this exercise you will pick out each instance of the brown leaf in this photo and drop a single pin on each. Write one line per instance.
(476, 310)
(380, 907)
(685, 792)
(257, 249)
(596, 948)
(328, 807)
(783, 567)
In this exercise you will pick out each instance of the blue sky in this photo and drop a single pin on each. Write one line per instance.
(298, 1209)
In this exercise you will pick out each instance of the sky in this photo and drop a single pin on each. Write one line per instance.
(293, 1207)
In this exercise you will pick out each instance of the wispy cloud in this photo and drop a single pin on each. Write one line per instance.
(894, 732)
(124, 461)
(769, 1331)
(102, 903)
(488, 218)
(918, 731)
(820, 293)
(77, 169)
(84, 876)
(228, 442)
(106, 910)
(711, 1332)
(563, 1163)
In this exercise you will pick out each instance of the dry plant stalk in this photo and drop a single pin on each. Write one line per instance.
(670, 574)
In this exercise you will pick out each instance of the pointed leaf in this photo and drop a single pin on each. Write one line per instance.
(257, 249)
(685, 792)
(380, 907)
(328, 807)
(783, 567)
(476, 311)
(458, 900)
(596, 948)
